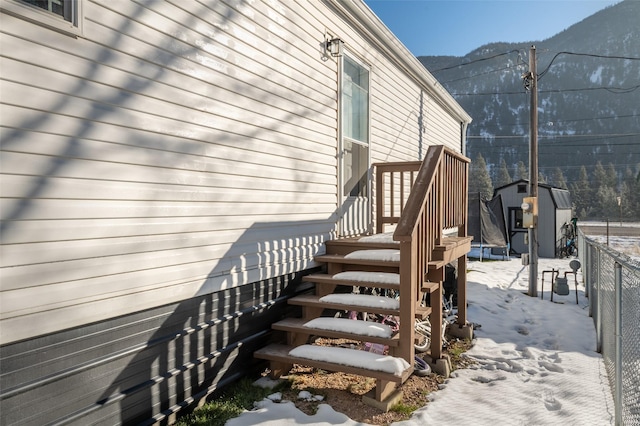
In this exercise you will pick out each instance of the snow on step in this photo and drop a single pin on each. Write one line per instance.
(352, 358)
(362, 328)
(362, 300)
(386, 237)
(371, 277)
(384, 255)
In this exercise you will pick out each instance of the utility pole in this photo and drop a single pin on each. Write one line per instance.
(533, 173)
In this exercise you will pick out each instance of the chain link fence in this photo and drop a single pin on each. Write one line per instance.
(612, 282)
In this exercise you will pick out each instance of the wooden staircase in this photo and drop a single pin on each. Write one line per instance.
(421, 199)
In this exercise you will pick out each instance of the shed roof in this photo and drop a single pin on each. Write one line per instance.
(561, 197)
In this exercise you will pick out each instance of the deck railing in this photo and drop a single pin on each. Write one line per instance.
(422, 199)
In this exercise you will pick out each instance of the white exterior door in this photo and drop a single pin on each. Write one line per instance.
(355, 177)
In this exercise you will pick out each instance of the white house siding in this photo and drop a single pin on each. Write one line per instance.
(164, 155)
(169, 171)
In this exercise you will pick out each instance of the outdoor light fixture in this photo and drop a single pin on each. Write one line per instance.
(334, 46)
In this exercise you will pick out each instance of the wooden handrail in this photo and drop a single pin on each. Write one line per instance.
(437, 200)
(417, 200)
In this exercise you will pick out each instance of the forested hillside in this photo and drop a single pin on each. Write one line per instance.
(589, 109)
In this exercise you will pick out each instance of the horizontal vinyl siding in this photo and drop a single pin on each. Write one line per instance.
(127, 369)
(176, 150)
(397, 105)
(398, 102)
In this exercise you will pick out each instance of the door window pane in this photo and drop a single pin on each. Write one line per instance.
(355, 128)
(355, 101)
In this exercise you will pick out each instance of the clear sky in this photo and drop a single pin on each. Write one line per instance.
(456, 27)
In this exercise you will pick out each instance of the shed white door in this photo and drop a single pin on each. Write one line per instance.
(354, 165)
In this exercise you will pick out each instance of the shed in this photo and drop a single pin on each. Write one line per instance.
(169, 170)
(554, 211)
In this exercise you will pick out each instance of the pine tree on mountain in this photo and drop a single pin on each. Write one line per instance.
(630, 193)
(479, 179)
(542, 178)
(599, 177)
(626, 200)
(503, 175)
(598, 191)
(612, 176)
(559, 180)
(636, 192)
(607, 203)
(521, 171)
(581, 195)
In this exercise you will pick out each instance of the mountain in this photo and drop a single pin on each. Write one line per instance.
(588, 105)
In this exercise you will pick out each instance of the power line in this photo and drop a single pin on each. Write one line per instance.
(609, 117)
(592, 55)
(479, 74)
(476, 61)
(615, 90)
(601, 135)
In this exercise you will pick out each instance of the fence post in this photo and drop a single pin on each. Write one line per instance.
(599, 304)
(586, 274)
(618, 344)
(586, 268)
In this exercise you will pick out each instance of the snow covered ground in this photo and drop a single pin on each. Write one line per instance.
(628, 245)
(536, 361)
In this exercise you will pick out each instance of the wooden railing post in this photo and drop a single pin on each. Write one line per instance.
(379, 199)
(462, 290)
(461, 285)
(406, 347)
(436, 323)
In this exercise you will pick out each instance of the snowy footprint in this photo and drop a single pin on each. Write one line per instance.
(551, 343)
(549, 366)
(551, 363)
(551, 403)
(494, 312)
(488, 380)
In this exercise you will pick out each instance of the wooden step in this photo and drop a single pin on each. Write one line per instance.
(337, 258)
(339, 263)
(436, 271)
(313, 301)
(326, 283)
(437, 264)
(353, 361)
(452, 248)
(430, 287)
(344, 246)
(281, 353)
(297, 325)
(423, 312)
(369, 279)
